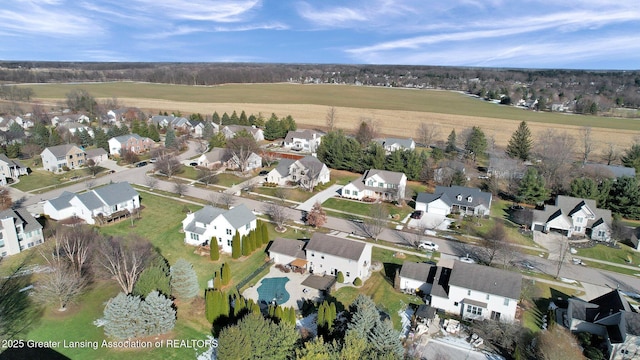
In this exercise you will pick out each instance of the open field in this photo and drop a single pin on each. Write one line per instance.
(397, 112)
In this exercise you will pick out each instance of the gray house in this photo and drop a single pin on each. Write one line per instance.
(572, 216)
(392, 144)
(451, 199)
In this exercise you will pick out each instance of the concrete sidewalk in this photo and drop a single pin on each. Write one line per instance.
(320, 197)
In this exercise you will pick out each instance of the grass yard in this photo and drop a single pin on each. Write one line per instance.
(342, 177)
(294, 194)
(618, 256)
(541, 293)
(229, 180)
(361, 208)
(41, 178)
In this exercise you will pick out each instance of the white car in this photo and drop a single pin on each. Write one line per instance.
(467, 259)
(429, 246)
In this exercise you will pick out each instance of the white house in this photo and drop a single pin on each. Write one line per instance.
(210, 222)
(18, 231)
(417, 277)
(302, 140)
(377, 184)
(326, 254)
(392, 144)
(97, 155)
(476, 291)
(11, 169)
(70, 118)
(98, 205)
(448, 199)
(217, 157)
(288, 252)
(252, 162)
(230, 131)
(75, 128)
(308, 172)
(572, 216)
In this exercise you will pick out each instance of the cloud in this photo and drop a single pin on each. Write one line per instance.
(44, 18)
(202, 10)
(369, 14)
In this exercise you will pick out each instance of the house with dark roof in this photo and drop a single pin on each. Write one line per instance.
(230, 131)
(376, 184)
(308, 172)
(97, 155)
(476, 291)
(417, 277)
(18, 231)
(325, 255)
(576, 217)
(609, 316)
(392, 144)
(609, 171)
(455, 199)
(210, 223)
(303, 140)
(130, 142)
(94, 206)
(11, 169)
(54, 158)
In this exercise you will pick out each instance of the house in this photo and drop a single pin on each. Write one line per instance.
(130, 142)
(287, 251)
(609, 171)
(252, 162)
(444, 173)
(635, 237)
(210, 222)
(307, 171)
(99, 205)
(377, 184)
(75, 128)
(55, 158)
(572, 216)
(97, 155)
(417, 277)
(302, 140)
(455, 199)
(196, 127)
(215, 158)
(11, 169)
(171, 121)
(230, 131)
(502, 167)
(18, 231)
(392, 144)
(70, 118)
(609, 316)
(472, 291)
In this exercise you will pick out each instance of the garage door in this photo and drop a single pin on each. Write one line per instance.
(538, 227)
(436, 210)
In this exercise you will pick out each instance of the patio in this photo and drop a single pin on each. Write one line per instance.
(297, 291)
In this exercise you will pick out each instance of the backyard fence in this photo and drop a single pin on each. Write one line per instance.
(246, 280)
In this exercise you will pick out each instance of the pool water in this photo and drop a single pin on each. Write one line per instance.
(271, 289)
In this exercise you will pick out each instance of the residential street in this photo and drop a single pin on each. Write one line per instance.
(455, 248)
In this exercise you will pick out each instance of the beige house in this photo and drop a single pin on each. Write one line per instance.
(54, 158)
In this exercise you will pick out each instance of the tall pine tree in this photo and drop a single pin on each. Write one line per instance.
(184, 281)
(521, 142)
(236, 250)
(214, 251)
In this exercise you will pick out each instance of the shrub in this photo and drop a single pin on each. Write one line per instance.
(340, 277)
(357, 282)
(184, 281)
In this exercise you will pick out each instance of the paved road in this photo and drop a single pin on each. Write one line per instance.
(569, 271)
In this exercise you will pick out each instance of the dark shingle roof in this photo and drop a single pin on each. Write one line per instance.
(21, 217)
(335, 246)
(283, 166)
(486, 279)
(289, 247)
(416, 271)
(61, 150)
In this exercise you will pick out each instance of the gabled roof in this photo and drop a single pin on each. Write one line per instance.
(10, 162)
(62, 201)
(61, 150)
(236, 128)
(404, 143)
(21, 217)
(336, 246)
(289, 247)
(283, 166)
(311, 163)
(207, 214)
(116, 193)
(124, 138)
(427, 198)
(615, 170)
(90, 200)
(486, 279)
(416, 271)
(95, 152)
(302, 134)
(565, 206)
(390, 177)
(217, 154)
(239, 216)
(449, 194)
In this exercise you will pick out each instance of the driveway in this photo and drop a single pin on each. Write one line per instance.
(550, 241)
(320, 197)
(430, 221)
(111, 165)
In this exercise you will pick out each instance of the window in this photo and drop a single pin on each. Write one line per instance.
(229, 242)
(469, 199)
(195, 237)
(468, 292)
(487, 296)
(474, 310)
(4, 253)
(459, 197)
(321, 256)
(1, 243)
(577, 228)
(495, 316)
(246, 226)
(347, 192)
(229, 232)
(506, 301)
(580, 219)
(601, 233)
(380, 184)
(348, 274)
(355, 193)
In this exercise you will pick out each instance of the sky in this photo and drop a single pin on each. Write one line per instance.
(569, 34)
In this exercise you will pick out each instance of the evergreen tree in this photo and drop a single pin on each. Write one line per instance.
(245, 246)
(364, 316)
(532, 189)
(144, 130)
(225, 306)
(265, 233)
(385, 340)
(217, 279)
(101, 139)
(320, 321)
(85, 139)
(253, 307)
(225, 119)
(170, 140)
(584, 188)
(215, 118)
(54, 138)
(226, 273)
(135, 127)
(234, 118)
(152, 278)
(624, 197)
(208, 130)
(278, 313)
(214, 250)
(157, 314)
(243, 119)
(240, 304)
(258, 121)
(272, 128)
(340, 277)
(292, 315)
(458, 178)
(210, 304)
(13, 150)
(631, 157)
(184, 281)
(332, 315)
(375, 156)
(451, 143)
(218, 141)
(122, 317)
(40, 135)
(287, 124)
(236, 250)
(394, 161)
(521, 142)
(476, 143)
(153, 134)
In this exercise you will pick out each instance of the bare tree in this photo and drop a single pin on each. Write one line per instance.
(587, 143)
(557, 344)
(332, 117)
(269, 158)
(179, 188)
(77, 245)
(207, 176)
(226, 199)
(241, 147)
(168, 165)
(31, 149)
(494, 242)
(63, 283)
(375, 224)
(427, 133)
(124, 259)
(92, 167)
(611, 153)
(5, 199)
(150, 181)
(556, 154)
(366, 131)
(281, 194)
(278, 215)
(563, 254)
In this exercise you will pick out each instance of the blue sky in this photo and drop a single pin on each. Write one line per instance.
(575, 34)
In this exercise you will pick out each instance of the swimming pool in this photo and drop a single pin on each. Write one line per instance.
(271, 289)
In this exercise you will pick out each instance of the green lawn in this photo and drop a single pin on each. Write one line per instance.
(619, 256)
(366, 97)
(228, 180)
(295, 194)
(362, 208)
(540, 293)
(41, 178)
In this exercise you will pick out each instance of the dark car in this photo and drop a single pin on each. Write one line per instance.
(417, 214)
(263, 172)
(193, 164)
(141, 164)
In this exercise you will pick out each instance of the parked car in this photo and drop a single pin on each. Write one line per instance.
(263, 173)
(193, 164)
(417, 214)
(141, 164)
(467, 259)
(428, 245)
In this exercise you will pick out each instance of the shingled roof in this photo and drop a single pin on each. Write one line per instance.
(336, 246)
(289, 247)
(486, 279)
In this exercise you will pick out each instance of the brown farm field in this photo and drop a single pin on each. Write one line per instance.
(397, 112)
